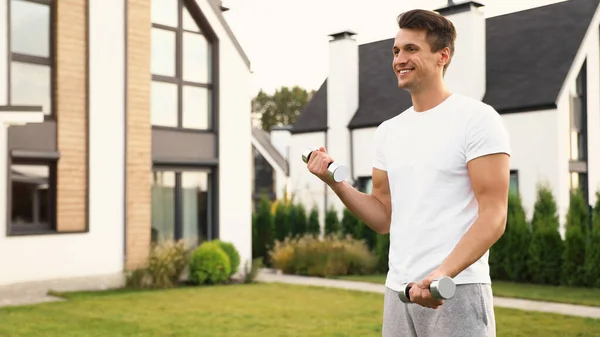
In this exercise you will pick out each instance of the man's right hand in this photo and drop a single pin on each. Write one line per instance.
(317, 164)
(375, 210)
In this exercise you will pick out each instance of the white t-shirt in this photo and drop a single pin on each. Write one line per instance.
(425, 155)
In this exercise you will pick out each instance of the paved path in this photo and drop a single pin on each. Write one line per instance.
(560, 308)
(37, 292)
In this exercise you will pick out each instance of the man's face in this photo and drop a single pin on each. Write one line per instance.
(414, 63)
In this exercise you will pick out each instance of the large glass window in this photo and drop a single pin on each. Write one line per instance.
(31, 53)
(181, 206)
(514, 182)
(181, 68)
(33, 192)
(578, 165)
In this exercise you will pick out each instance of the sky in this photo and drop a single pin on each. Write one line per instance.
(287, 40)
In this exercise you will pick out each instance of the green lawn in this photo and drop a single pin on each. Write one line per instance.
(242, 310)
(583, 296)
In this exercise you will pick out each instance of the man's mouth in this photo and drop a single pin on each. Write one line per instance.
(404, 71)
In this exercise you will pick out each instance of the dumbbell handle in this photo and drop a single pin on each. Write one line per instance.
(442, 288)
(336, 171)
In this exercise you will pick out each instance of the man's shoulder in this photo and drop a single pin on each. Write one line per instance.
(470, 104)
(395, 119)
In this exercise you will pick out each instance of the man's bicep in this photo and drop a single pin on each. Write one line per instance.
(490, 180)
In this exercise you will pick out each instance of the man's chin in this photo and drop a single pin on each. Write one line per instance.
(403, 85)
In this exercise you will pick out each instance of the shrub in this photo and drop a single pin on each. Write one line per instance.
(575, 241)
(298, 220)
(332, 222)
(382, 249)
(592, 252)
(264, 229)
(163, 268)
(282, 221)
(232, 253)
(251, 270)
(574, 257)
(313, 227)
(518, 234)
(545, 255)
(366, 233)
(592, 259)
(330, 256)
(209, 264)
(578, 214)
(349, 224)
(544, 210)
(546, 248)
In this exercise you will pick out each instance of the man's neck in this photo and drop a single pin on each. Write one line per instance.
(430, 98)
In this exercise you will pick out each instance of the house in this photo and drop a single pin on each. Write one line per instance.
(539, 68)
(134, 142)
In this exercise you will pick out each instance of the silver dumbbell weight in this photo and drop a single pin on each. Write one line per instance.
(442, 288)
(336, 171)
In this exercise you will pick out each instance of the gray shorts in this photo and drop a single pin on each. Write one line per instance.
(470, 313)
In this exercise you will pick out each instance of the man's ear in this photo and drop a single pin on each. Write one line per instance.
(444, 57)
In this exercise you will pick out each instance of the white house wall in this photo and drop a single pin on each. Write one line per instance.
(100, 251)
(235, 156)
(534, 145)
(362, 148)
(305, 188)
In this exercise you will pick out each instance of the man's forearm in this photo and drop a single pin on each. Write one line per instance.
(366, 207)
(484, 232)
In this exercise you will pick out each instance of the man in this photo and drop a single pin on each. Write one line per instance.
(440, 188)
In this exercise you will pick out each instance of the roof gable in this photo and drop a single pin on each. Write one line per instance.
(529, 54)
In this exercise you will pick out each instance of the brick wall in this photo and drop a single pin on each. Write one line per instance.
(71, 114)
(139, 156)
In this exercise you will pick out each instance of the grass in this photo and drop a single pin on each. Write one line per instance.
(559, 294)
(242, 310)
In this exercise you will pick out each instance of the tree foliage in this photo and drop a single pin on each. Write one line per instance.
(280, 108)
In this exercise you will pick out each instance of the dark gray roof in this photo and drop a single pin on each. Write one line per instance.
(529, 54)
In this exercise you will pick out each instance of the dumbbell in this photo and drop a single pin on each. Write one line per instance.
(336, 171)
(442, 288)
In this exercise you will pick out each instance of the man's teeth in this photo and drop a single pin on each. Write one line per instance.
(405, 71)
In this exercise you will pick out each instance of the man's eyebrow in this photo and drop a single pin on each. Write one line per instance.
(409, 44)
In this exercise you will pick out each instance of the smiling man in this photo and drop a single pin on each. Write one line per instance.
(440, 188)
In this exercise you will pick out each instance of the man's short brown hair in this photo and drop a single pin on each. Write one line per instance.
(440, 31)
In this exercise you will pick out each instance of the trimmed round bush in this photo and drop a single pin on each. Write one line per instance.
(209, 264)
(232, 253)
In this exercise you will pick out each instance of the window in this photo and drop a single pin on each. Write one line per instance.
(364, 184)
(181, 206)
(578, 165)
(33, 192)
(579, 118)
(31, 202)
(181, 68)
(514, 182)
(31, 53)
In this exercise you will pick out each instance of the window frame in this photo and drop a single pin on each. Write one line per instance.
(35, 227)
(514, 173)
(212, 183)
(24, 156)
(362, 182)
(49, 61)
(178, 80)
